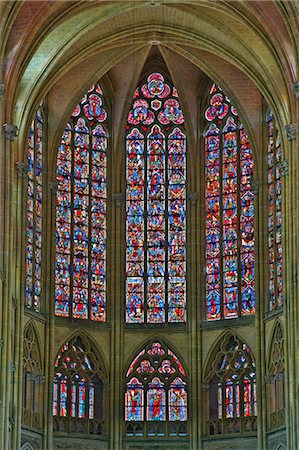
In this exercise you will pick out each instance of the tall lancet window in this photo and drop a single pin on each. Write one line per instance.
(81, 212)
(34, 213)
(275, 215)
(156, 205)
(229, 212)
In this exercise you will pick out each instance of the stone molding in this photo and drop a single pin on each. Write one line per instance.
(157, 447)
(236, 445)
(71, 444)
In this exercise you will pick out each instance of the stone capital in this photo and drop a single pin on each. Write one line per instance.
(269, 379)
(118, 198)
(41, 379)
(193, 197)
(284, 168)
(53, 185)
(291, 131)
(255, 186)
(22, 168)
(11, 131)
(296, 89)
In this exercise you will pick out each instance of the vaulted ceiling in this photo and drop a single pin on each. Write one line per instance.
(59, 48)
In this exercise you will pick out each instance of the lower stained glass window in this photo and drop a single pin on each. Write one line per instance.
(232, 381)
(78, 385)
(156, 388)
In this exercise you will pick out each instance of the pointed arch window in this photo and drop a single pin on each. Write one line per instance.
(276, 380)
(229, 201)
(34, 212)
(78, 389)
(33, 378)
(156, 390)
(274, 215)
(80, 271)
(156, 205)
(232, 388)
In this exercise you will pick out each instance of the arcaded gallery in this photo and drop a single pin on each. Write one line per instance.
(149, 225)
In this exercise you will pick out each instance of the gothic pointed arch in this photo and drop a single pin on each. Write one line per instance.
(230, 380)
(155, 204)
(156, 393)
(33, 378)
(81, 212)
(276, 378)
(78, 388)
(229, 207)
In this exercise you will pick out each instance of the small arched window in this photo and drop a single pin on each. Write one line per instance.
(78, 389)
(80, 271)
(156, 205)
(34, 212)
(275, 215)
(229, 199)
(156, 390)
(32, 381)
(232, 388)
(276, 380)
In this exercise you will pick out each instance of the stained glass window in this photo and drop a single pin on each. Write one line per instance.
(156, 387)
(78, 385)
(275, 215)
(80, 272)
(156, 205)
(232, 381)
(34, 213)
(229, 212)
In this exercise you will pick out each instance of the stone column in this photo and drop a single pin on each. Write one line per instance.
(116, 336)
(7, 169)
(290, 245)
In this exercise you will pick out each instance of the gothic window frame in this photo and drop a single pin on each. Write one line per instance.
(33, 378)
(275, 378)
(225, 376)
(94, 294)
(221, 119)
(155, 106)
(81, 385)
(156, 367)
